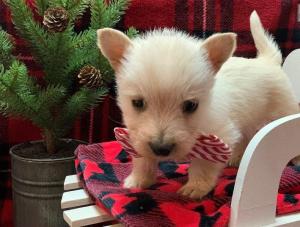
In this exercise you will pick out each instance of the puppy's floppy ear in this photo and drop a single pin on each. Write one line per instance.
(113, 45)
(219, 48)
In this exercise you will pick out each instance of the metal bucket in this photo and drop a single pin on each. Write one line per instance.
(37, 189)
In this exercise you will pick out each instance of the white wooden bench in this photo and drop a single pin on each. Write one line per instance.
(79, 209)
(255, 193)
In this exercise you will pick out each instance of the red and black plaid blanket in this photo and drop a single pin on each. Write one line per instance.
(103, 167)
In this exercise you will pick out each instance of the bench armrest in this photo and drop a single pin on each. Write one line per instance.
(255, 193)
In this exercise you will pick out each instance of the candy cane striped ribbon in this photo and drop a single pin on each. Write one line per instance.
(122, 137)
(211, 148)
(208, 147)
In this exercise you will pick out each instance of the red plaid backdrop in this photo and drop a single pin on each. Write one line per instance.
(198, 17)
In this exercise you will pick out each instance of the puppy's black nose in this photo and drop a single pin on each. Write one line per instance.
(161, 149)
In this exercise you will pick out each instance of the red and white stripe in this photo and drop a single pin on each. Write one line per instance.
(211, 148)
(122, 137)
(208, 147)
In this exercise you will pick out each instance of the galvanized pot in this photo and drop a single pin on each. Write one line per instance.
(37, 189)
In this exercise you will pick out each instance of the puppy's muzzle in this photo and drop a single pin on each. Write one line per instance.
(161, 149)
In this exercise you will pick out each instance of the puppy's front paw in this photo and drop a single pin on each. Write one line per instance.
(133, 181)
(195, 189)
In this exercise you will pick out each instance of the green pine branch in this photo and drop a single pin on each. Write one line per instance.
(84, 45)
(41, 6)
(132, 32)
(115, 10)
(18, 95)
(49, 99)
(6, 48)
(55, 104)
(56, 58)
(38, 41)
(24, 22)
(56, 3)
(81, 101)
(98, 8)
(29, 29)
(75, 8)
(51, 50)
(103, 15)
(84, 38)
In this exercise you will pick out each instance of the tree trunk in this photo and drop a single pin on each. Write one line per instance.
(50, 141)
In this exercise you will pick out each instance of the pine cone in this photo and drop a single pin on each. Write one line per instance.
(56, 19)
(90, 77)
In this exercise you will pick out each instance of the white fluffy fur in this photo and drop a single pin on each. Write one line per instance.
(166, 68)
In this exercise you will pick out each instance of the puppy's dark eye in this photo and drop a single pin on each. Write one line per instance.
(138, 104)
(189, 106)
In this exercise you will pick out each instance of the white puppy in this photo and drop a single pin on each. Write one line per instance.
(171, 87)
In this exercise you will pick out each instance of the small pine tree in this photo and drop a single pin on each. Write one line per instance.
(54, 105)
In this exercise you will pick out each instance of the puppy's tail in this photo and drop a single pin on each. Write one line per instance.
(264, 42)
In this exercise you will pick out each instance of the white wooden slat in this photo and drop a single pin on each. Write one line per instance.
(88, 215)
(114, 225)
(71, 182)
(75, 198)
(289, 220)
